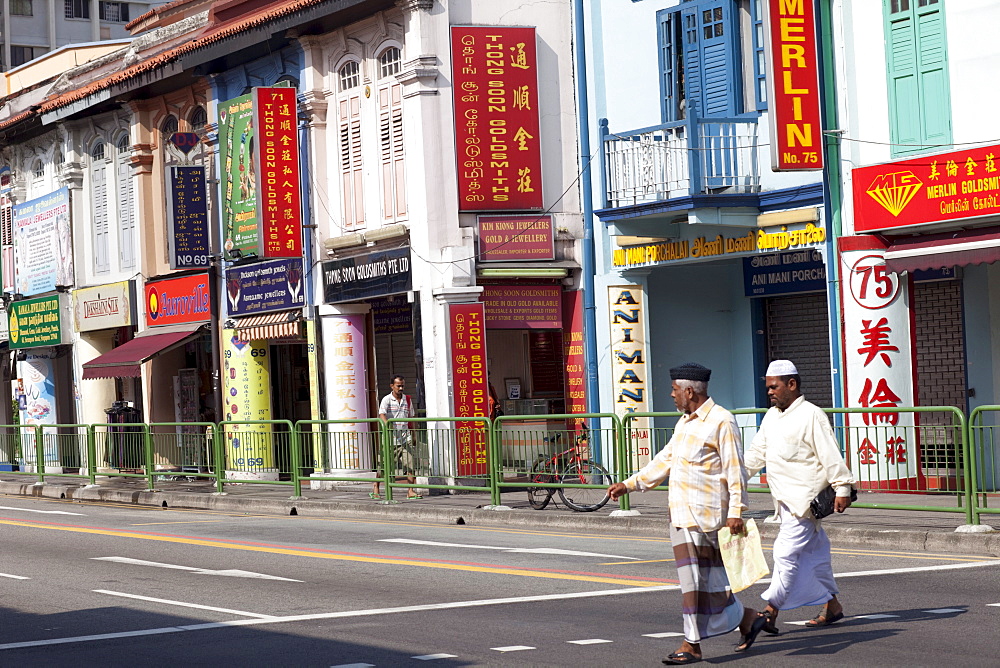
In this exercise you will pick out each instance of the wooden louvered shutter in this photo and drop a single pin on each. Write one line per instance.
(350, 162)
(390, 102)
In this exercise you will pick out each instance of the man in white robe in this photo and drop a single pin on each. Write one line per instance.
(796, 444)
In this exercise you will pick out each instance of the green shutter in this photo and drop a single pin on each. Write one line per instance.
(919, 94)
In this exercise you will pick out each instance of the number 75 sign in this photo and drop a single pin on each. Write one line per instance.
(878, 365)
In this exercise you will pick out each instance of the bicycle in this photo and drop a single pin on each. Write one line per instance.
(570, 467)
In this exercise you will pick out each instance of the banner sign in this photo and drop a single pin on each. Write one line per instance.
(505, 238)
(629, 351)
(879, 346)
(262, 287)
(575, 360)
(784, 273)
(523, 306)
(35, 322)
(495, 79)
(187, 218)
(239, 184)
(246, 382)
(470, 385)
(104, 307)
(344, 348)
(174, 301)
(43, 244)
(364, 276)
(793, 86)
(276, 158)
(699, 248)
(392, 316)
(6, 240)
(929, 189)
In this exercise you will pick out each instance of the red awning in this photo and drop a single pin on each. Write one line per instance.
(937, 251)
(125, 360)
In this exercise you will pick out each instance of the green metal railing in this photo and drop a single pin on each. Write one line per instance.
(918, 454)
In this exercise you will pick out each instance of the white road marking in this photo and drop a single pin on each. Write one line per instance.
(918, 569)
(13, 577)
(944, 611)
(521, 550)
(200, 571)
(876, 616)
(994, 605)
(338, 615)
(666, 634)
(185, 605)
(591, 641)
(434, 657)
(511, 648)
(47, 512)
(354, 665)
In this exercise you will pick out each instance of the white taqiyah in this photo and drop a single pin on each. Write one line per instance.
(781, 368)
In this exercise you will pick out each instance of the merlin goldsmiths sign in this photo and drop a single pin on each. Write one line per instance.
(929, 189)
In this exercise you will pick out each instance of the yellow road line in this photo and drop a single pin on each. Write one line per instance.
(342, 557)
(149, 524)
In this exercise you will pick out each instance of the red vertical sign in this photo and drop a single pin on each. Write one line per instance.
(793, 86)
(275, 119)
(495, 85)
(470, 386)
(576, 384)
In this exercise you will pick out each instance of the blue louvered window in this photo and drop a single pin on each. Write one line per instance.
(701, 68)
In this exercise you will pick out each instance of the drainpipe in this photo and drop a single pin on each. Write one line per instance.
(589, 263)
(832, 190)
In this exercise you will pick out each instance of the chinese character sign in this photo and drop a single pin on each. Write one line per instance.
(495, 85)
(275, 117)
(929, 189)
(576, 387)
(882, 448)
(344, 349)
(470, 384)
(630, 376)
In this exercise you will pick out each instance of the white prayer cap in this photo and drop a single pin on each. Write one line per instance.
(781, 368)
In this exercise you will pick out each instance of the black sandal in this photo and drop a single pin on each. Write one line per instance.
(770, 628)
(746, 641)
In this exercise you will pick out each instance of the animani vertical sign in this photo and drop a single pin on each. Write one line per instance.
(630, 377)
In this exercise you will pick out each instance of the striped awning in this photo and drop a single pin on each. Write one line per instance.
(270, 327)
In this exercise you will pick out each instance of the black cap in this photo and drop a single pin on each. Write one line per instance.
(691, 371)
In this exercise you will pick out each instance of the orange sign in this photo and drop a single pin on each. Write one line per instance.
(793, 86)
(926, 190)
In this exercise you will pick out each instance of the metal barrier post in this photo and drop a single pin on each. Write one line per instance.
(296, 457)
(971, 516)
(92, 455)
(388, 466)
(496, 464)
(220, 460)
(147, 440)
(39, 454)
(623, 447)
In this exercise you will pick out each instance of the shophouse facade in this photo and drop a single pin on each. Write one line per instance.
(921, 216)
(705, 252)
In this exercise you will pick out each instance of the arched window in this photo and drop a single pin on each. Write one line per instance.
(198, 119)
(123, 145)
(97, 153)
(169, 125)
(350, 75)
(389, 62)
(100, 198)
(125, 197)
(39, 169)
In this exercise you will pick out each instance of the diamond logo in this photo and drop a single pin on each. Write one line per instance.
(894, 191)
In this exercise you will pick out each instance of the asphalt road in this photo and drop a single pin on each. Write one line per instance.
(88, 584)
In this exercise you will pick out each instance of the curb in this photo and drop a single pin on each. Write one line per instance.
(927, 541)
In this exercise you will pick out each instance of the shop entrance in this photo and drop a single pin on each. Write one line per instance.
(289, 382)
(797, 328)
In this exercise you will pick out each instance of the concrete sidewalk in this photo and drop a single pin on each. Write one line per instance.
(862, 527)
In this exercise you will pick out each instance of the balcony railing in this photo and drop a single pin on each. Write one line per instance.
(692, 156)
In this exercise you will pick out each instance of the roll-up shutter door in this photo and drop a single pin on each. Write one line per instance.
(798, 329)
(395, 354)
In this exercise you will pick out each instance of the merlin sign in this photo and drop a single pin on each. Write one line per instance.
(929, 189)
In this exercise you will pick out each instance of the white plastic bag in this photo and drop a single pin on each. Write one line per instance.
(743, 556)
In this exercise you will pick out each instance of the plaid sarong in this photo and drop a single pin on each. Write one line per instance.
(709, 607)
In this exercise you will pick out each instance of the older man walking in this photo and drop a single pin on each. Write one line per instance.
(707, 491)
(796, 444)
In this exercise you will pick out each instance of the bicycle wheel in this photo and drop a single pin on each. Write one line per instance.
(581, 499)
(541, 472)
